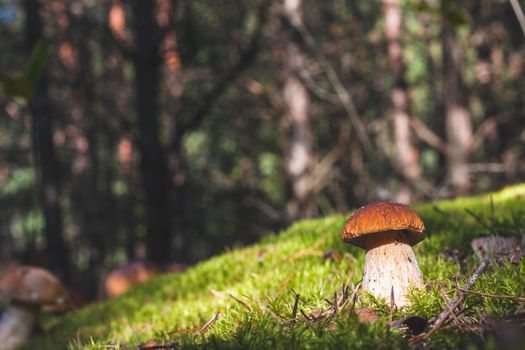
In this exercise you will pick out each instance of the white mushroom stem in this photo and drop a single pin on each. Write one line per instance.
(390, 265)
(15, 325)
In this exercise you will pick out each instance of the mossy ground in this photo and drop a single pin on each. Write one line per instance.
(253, 289)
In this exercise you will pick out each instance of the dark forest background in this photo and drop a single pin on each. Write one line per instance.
(172, 130)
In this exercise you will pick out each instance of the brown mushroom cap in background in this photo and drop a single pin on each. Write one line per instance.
(121, 279)
(33, 285)
(380, 217)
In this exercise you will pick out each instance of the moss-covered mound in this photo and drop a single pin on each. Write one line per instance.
(249, 295)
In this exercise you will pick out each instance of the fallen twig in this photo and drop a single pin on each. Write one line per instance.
(208, 324)
(305, 315)
(491, 295)
(336, 306)
(453, 304)
(168, 346)
(295, 305)
(185, 330)
(479, 218)
(392, 305)
(340, 301)
(447, 300)
(353, 297)
(285, 284)
(198, 330)
(241, 302)
(311, 250)
(449, 216)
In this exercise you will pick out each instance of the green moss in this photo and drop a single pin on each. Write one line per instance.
(252, 289)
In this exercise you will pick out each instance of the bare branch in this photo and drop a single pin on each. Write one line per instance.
(486, 127)
(427, 135)
(343, 95)
(486, 168)
(319, 176)
(316, 89)
(246, 58)
(519, 14)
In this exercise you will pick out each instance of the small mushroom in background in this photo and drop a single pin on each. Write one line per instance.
(28, 290)
(493, 247)
(387, 231)
(121, 279)
(366, 315)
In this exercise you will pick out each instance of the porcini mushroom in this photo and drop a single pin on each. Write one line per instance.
(27, 289)
(387, 231)
(121, 279)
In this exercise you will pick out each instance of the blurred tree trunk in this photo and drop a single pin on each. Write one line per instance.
(154, 170)
(46, 163)
(406, 154)
(299, 157)
(92, 198)
(458, 125)
(127, 169)
(189, 39)
(116, 23)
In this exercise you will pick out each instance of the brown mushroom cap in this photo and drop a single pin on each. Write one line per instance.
(121, 279)
(380, 217)
(33, 285)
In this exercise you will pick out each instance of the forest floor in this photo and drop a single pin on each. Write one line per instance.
(299, 289)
